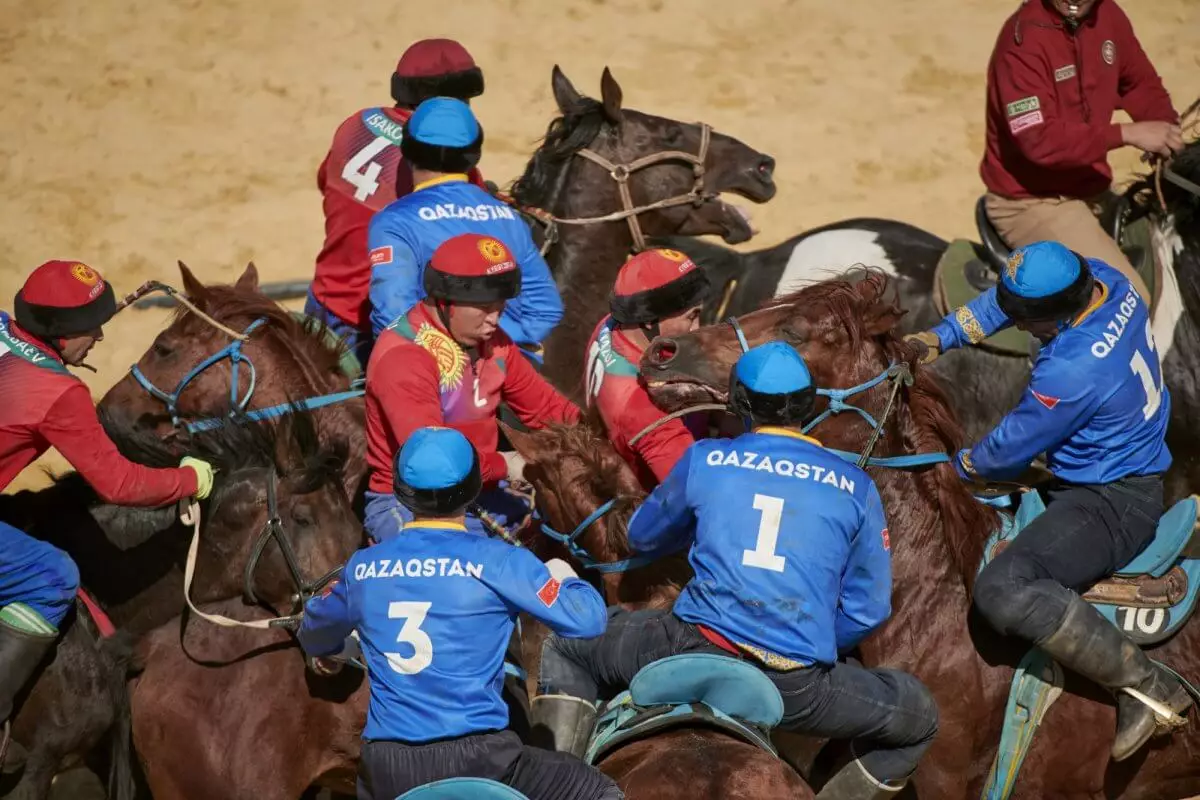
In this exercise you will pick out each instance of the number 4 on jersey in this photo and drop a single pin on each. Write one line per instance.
(361, 172)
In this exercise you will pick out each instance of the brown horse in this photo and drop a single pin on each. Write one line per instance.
(682, 161)
(291, 361)
(846, 332)
(574, 470)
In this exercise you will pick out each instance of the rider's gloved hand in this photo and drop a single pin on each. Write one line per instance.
(927, 344)
(204, 475)
(516, 466)
(560, 570)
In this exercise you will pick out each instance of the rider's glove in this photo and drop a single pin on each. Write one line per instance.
(927, 345)
(204, 475)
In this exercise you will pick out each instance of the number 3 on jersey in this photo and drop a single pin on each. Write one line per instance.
(411, 634)
(364, 180)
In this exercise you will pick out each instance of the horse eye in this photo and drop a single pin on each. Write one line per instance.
(302, 515)
(162, 350)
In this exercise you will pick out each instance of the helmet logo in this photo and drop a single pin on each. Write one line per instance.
(1014, 263)
(673, 255)
(493, 251)
(85, 274)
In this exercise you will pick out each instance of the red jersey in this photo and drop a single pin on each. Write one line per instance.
(1051, 94)
(46, 406)
(360, 175)
(417, 376)
(614, 385)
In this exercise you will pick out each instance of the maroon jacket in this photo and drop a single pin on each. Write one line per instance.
(1051, 94)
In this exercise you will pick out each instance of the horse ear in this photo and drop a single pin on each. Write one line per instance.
(248, 282)
(610, 94)
(524, 442)
(565, 93)
(192, 287)
(883, 311)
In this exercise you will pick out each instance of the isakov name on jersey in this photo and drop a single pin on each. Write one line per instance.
(780, 466)
(417, 568)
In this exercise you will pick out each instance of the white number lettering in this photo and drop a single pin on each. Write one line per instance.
(413, 615)
(1147, 620)
(763, 555)
(595, 371)
(479, 403)
(1142, 370)
(364, 180)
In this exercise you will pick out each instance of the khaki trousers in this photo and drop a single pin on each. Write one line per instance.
(1061, 219)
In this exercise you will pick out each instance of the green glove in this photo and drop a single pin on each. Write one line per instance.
(204, 475)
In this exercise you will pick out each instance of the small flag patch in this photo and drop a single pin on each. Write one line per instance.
(887, 541)
(381, 255)
(548, 594)
(1046, 400)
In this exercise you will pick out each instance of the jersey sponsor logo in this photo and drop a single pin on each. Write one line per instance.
(1045, 399)
(1116, 326)
(1024, 121)
(451, 360)
(1064, 73)
(381, 255)
(887, 540)
(478, 213)
(548, 594)
(417, 568)
(965, 318)
(1108, 51)
(1026, 104)
(780, 466)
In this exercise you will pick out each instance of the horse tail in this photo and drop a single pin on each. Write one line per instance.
(122, 780)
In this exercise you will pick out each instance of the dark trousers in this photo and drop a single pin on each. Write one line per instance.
(890, 715)
(387, 770)
(1085, 533)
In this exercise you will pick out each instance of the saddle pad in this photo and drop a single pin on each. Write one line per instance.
(1173, 534)
(463, 789)
(1037, 683)
(953, 288)
(733, 687)
(1138, 247)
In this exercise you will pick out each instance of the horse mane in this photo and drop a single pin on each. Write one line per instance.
(1183, 206)
(566, 135)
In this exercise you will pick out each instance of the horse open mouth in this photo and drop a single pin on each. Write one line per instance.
(672, 395)
(736, 222)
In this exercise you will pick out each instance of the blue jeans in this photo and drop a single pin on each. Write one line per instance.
(385, 517)
(889, 714)
(37, 574)
(360, 342)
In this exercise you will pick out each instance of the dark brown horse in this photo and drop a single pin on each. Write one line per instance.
(574, 470)
(846, 330)
(586, 257)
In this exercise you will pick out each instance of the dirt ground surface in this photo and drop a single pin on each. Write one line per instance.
(139, 132)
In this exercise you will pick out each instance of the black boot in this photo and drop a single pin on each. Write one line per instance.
(20, 654)
(853, 782)
(1092, 646)
(566, 721)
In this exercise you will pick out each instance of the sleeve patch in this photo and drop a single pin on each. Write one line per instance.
(1025, 121)
(381, 255)
(1064, 73)
(1023, 106)
(548, 594)
(1046, 400)
(970, 326)
(887, 541)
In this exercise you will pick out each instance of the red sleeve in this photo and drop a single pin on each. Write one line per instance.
(1028, 106)
(1141, 90)
(664, 445)
(71, 426)
(531, 397)
(321, 172)
(406, 384)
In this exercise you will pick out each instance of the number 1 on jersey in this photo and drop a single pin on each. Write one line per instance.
(1142, 369)
(364, 180)
(763, 555)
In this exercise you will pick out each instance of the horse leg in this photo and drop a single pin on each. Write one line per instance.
(37, 777)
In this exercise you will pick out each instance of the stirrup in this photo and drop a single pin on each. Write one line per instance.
(1164, 716)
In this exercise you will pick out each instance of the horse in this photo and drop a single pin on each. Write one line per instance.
(847, 331)
(607, 176)
(283, 359)
(574, 470)
(984, 385)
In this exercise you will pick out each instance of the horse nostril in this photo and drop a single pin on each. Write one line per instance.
(663, 351)
(766, 168)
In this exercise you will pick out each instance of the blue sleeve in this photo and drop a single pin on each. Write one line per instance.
(666, 521)
(395, 274)
(537, 309)
(865, 601)
(570, 608)
(328, 620)
(1058, 401)
(972, 323)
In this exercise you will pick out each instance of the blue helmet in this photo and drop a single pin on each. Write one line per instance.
(771, 385)
(1044, 281)
(436, 473)
(442, 135)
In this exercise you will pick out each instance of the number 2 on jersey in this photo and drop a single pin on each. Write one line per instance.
(763, 556)
(1142, 369)
(364, 180)
(413, 614)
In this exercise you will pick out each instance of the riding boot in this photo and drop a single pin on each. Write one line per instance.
(1092, 646)
(853, 782)
(20, 654)
(564, 722)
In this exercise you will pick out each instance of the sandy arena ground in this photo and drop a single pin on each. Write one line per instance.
(139, 132)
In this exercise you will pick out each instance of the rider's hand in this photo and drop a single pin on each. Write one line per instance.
(204, 475)
(560, 570)
(927, 345)
(1160, 138)
(516, 466)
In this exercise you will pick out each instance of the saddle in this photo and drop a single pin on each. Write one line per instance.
(691, 689)
(463, 789)
(967, 269)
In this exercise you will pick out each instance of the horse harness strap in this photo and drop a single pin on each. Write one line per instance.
(569, 540)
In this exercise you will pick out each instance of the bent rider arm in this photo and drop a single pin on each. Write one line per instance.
(531, 315)
(395, 274)
(865, 602)
(1139, 86)
(570, 607)
(972, 323)
(328, 619)
(666, 521)
(531, 397)
(71, 426)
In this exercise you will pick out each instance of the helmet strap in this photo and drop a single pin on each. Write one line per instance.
(443, 311)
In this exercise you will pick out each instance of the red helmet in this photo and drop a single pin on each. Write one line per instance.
(64, 298)
(655, 284)
(435, 68)
(472, 268)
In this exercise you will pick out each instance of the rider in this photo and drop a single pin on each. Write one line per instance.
(1097, 406)
(59, 313)
(658, 292)
(364, 171)
(445, 362)
(442, 140)
(450, 598)
(1058, 71)
(809, 585)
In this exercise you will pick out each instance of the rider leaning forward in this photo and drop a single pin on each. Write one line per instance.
(792, 568)
(1097, 407)
(59, 313)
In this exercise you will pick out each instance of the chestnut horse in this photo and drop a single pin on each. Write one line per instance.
(846, 330)
(574, 470)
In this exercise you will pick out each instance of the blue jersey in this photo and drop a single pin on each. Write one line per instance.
(434, 609)
(788, 544)
(1096, 404)
(403, 236)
